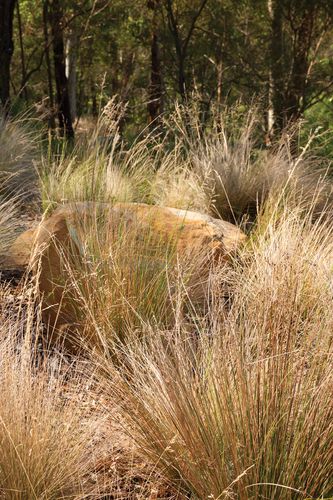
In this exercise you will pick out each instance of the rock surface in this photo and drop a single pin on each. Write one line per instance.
(194, 235)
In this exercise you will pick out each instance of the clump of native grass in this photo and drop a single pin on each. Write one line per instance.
(19, 153)
(99, 167)
(122, 274)
(102, 167)
(236, 171)
(176, 184)
(240, 404)
(49, 429)
(219, 166)
(8, 222)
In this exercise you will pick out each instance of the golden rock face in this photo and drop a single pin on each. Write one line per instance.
(194, 236)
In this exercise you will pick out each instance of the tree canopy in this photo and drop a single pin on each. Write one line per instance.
(68, 57)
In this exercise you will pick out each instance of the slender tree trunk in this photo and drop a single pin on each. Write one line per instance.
(6, 48)
(181, 43)
(181, 78)
(219, 68)
(296, 92)
(94, 105)
(71, 63)
(276, 73)
(24, 72)
(179, 48)
(287, 88)
(155, 88)
(48, 63)
(64, 112)
(114, 57)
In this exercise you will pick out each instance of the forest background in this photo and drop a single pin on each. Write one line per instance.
(66, 58)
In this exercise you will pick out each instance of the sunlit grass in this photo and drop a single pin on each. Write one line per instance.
(8, 222)
(19, 154)
(122, 257)
(47, 426)
(228, 400)
(240, 406)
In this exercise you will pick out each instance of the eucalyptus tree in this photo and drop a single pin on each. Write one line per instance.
(300, 72)
(6, 48)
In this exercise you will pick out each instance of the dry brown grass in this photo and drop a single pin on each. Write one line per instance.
(231, 402)
(19, 154)
(241, 405)
(8, 222)
(57, 439)
(99, 168)
(48, 429)
(233, 172)
(117, 260)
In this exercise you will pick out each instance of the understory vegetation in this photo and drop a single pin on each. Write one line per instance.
(163, 395)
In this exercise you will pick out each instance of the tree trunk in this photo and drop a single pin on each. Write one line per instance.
(296, 92)
(179, 48)
(71, 63)
(51, 119)
(64, 112)
(6, 48)
(276, 73)
(155, 88)
(181, 43)
(23, 66)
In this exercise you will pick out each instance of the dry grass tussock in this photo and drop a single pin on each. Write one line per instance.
(8, 222)
(19, 155)
(100, 167)
(58, 437)
(220, 167)
(231, 401)
(238, 173)
(120, 262)
(49, 428)
(240, 406)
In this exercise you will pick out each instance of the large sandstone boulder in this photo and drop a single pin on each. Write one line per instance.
(194, 235)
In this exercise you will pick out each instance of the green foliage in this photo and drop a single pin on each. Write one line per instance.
(226, 56)
(319, 118)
